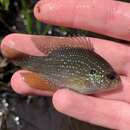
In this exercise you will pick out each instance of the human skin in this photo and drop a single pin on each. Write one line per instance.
(111, 18)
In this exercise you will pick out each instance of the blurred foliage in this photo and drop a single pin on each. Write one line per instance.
(5, 4)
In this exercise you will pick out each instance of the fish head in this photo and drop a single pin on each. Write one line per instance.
(102, 80)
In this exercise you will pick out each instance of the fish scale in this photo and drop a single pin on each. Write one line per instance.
(76, 68)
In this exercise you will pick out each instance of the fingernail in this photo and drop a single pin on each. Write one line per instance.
(37, 81)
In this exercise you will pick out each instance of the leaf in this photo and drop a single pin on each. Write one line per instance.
(5, 4)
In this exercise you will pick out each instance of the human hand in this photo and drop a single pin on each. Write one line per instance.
(111, 18)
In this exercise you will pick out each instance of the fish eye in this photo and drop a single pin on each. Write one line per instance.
(92, 71)
(111, 75)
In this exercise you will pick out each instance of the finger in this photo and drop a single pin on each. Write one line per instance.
(37, 45)
(110, 17)
(20, 86)
(93, 110)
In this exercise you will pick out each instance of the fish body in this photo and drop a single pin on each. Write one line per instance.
(76, 68)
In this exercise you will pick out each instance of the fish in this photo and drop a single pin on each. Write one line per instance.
(76, 67)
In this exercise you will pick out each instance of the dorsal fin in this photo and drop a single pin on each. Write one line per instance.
(82, 41)
(52, 43)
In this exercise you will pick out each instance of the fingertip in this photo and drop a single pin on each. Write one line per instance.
(7, 42)
(18, 85)
(19, 42)
(9, 46)
(45, 11)
(37, 10)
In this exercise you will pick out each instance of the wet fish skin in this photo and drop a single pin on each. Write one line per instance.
(75, 68)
